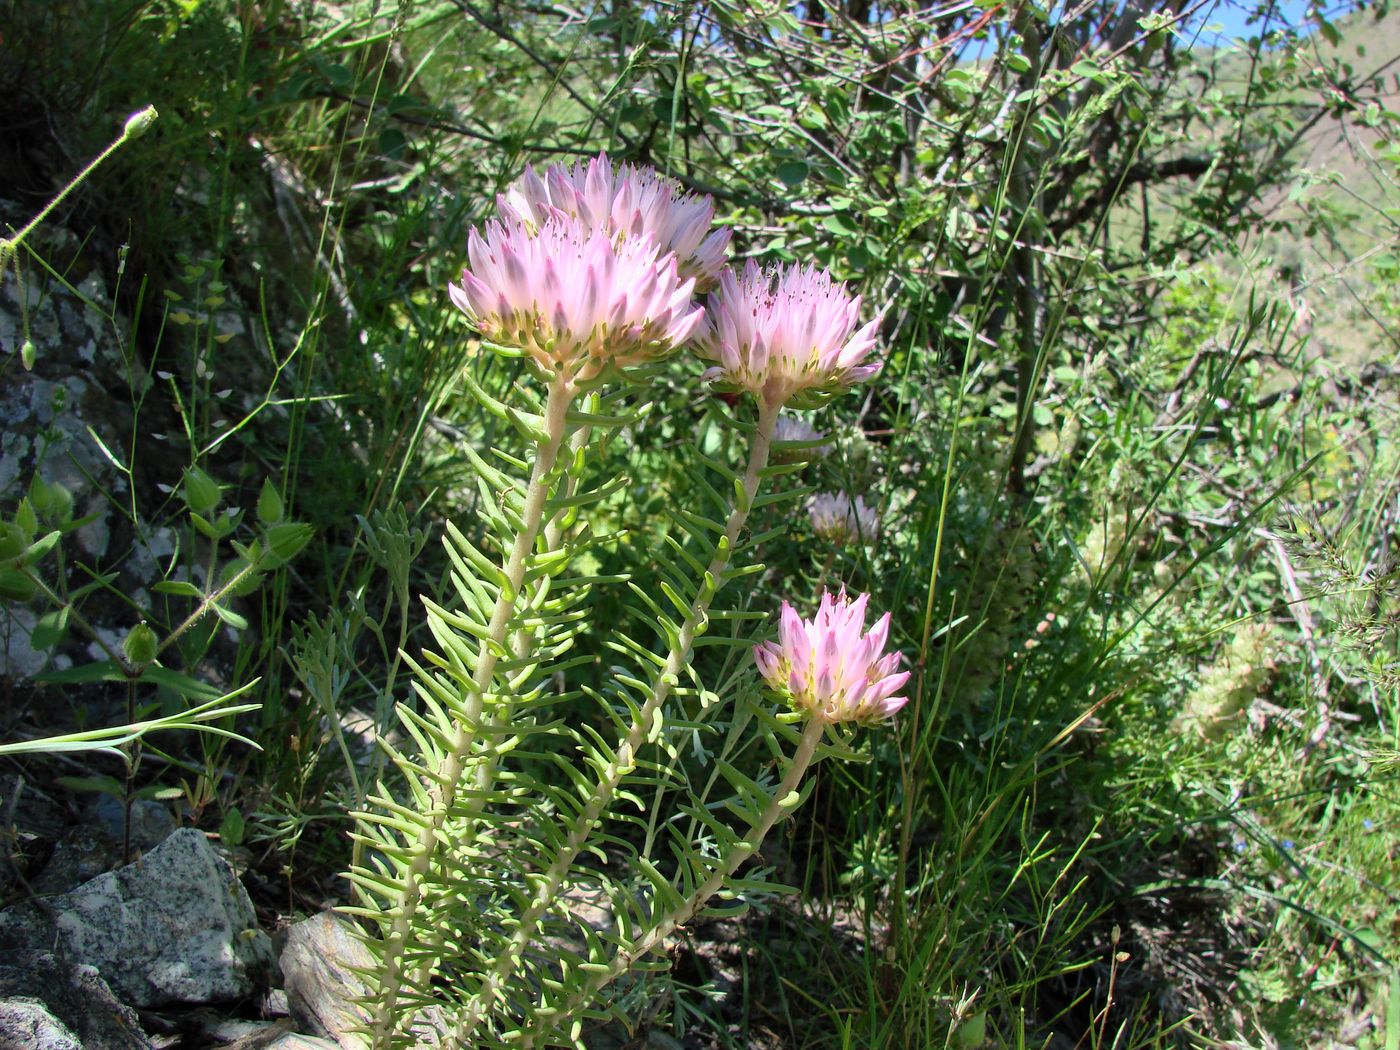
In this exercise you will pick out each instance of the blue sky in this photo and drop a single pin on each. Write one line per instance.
(1225, 20)
(1219, 23)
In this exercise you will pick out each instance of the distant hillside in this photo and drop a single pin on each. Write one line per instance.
(1344, 165)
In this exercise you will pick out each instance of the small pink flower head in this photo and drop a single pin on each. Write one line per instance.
(630, 202)
(839, 519)
(573, 298)
(787, 332)
(792, 429)
(827, 668)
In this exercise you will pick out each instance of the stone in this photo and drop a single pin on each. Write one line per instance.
(76, 996)
(95, 846)
(278, 1036)
(18, 657)
(151, 821)
(176, 926)
(60, 421)
(46, 412)
(25, 1024)
(318, 975)
(275, 1003)
(81, 855)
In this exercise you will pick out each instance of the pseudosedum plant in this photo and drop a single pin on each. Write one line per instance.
(530, 787)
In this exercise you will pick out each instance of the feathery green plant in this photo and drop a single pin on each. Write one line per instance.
(519, 795)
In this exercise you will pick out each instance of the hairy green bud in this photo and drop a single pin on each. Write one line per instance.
(285, 541)
(202, 493)
(140, 646)
(139, 122)
(52, 502)
(269, 504)
(13, 541)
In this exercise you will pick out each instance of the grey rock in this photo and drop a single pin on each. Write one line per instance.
(94, 847)
(278, 1036)
(46, 412)
(322, 988)
(231, 1029)
(55, 419)
(175, 926)
(25, 1024)
(76, 996)
(260, 1035)
(151, 822)
(81, 855)
(18, 657)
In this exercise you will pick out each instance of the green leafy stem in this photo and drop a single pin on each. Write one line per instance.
(644, 725)
(446, 781)
(783, 801)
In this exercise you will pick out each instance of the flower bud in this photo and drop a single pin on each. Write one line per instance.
(139, 123)
(202, 493)
(140, 646)
(52, 502)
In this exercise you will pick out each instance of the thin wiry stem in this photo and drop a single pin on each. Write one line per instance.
(135, 125)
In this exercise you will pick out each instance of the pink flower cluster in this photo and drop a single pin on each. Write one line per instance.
(827, 668)
(588, 266)
(787, 332)
(574, 299)
(582, 268)
(629, 203)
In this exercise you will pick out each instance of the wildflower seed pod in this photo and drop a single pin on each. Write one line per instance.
(202, 493)
(141, 646)
(52, 502)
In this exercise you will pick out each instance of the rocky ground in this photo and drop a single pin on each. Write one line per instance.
(163, 951)
(169, 951)
(116, 936)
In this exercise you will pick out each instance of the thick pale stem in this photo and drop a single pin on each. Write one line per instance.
(520, 643)
(555, 877)
(443, 789)
(485, 772)
(785, 799)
